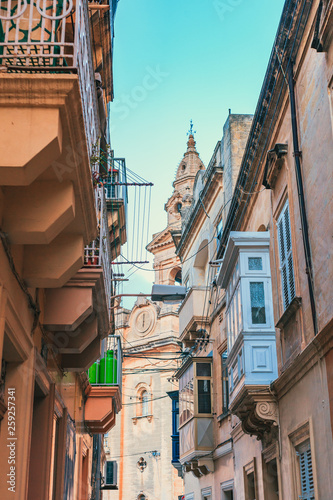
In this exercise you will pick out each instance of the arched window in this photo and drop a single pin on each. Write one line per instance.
(178, 278)
(175, 276)
(141, 497)
(144, 403)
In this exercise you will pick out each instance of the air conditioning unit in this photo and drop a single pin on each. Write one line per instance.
(110, 475)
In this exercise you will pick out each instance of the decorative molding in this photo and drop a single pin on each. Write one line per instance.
(141, 417)
(257, 409)
(223, 449)
(274, 163)
(294, 305)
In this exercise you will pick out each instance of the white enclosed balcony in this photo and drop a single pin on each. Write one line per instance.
(252, 362)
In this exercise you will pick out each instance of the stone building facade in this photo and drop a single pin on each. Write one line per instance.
(57, 224)
(205, 445)
(141, 443)
(256, 388)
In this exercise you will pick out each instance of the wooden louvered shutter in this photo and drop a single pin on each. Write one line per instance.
(286, 257)
(306, 472)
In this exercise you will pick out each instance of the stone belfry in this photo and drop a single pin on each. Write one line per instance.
(162, 245)
(187, 170)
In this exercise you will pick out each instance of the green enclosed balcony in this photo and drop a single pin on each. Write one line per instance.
(105, 388)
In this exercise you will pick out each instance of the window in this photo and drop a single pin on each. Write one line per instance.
(186, 396)
(225, 382)
(250, 481)
(219, 229)
(206, 494)
(303, 453)
(227, 490)
(286, 257)
(178, 278)
(110, 472)
(195, 390)
(144, 403)
(234, 311)
(257, 297)
(203, 372)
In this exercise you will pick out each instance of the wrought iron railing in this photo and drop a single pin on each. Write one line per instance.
(98, 253)
(51, 36)
(108, 369)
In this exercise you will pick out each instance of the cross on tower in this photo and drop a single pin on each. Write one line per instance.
(191, 131)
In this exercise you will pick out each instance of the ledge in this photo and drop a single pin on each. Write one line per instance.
(294, 305)
(148, 417)
(223, 416)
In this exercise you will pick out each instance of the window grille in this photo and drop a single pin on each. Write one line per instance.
(286, 257)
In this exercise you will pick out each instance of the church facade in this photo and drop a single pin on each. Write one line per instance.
(140, 444)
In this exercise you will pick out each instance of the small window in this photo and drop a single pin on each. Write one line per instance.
(144, 403)
(303, 453)
(111, 472)
(255, 263)
(250, 481)
(178, 278)
(219, 229)
(257, 296)
(203, 370)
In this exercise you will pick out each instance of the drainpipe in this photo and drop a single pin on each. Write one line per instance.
(304, 222)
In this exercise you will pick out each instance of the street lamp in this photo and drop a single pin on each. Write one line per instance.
(168, 293)
(159, 293)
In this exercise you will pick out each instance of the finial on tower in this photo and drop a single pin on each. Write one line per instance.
(191, 131)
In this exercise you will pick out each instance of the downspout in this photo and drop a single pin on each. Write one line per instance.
(300, 188)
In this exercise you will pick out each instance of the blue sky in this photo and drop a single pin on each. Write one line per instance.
(174, 61)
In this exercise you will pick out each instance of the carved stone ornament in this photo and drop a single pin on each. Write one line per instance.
(258, 411)
(275, 160)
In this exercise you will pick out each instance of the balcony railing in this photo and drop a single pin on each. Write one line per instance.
(107, 371)
(51, 36)
(98, 253)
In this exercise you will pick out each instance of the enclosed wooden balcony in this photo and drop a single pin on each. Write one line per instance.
(104, 392)
(192, 319)
(252, 361)
(196, 414)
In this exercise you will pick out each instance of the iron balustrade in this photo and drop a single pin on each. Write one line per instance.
(51, 36)
(98, 253)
